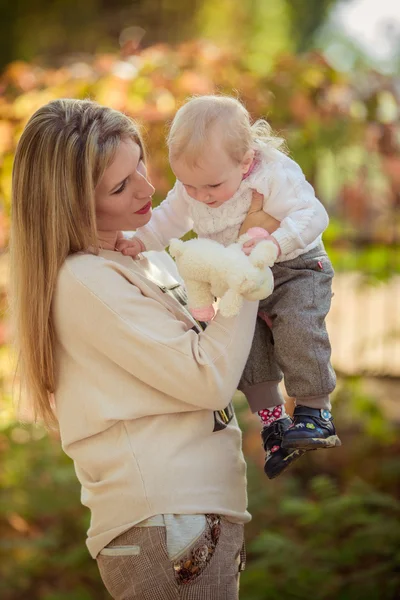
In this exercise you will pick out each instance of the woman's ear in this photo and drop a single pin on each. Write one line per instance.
(247, 160)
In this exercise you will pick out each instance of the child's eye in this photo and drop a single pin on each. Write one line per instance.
(121, 188)
(215, 186)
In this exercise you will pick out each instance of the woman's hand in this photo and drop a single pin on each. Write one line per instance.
(256, 217)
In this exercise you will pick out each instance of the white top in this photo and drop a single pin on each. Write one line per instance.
(288, 197)
(136, 392)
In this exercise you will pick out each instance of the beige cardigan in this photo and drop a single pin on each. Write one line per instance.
(136, 393)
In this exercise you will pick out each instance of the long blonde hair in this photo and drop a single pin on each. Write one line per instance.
(61, 156)
(196, 120)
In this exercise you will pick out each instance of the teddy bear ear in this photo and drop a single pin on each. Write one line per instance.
(176, 248)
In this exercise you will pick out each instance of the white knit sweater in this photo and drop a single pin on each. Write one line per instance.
(288, 197)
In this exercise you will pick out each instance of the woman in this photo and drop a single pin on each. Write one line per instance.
(141, 394)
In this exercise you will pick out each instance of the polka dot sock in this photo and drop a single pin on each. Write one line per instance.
(269, 415)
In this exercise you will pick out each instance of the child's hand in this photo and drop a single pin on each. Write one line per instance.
(258, 235)
(131, 247)
(256, 217)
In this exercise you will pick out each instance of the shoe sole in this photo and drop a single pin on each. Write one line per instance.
(288, 460)
(312, 444)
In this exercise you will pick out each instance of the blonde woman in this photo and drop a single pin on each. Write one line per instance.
(141, 394)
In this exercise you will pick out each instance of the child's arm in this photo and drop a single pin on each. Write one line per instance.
(170, 219)
(291, 200)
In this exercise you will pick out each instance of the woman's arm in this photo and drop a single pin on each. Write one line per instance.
(142, 337)
(257, 217)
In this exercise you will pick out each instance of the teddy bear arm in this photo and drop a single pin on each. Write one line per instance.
(264, 254)
(218, 285)
(231, 303)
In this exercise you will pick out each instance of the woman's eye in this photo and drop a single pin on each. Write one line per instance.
(121, 188)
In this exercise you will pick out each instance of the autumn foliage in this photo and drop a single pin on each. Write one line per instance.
(344, 132)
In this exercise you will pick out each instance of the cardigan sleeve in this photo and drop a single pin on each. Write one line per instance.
(169, 220)
(143, 338)
(291, 200)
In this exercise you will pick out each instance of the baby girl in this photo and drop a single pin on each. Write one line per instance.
(219, 158)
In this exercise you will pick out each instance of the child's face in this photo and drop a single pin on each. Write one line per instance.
(215, 179)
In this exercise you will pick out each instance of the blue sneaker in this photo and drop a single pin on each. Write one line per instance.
(277, 459)
(312, 428)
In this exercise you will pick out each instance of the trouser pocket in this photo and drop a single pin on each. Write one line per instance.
(218, 577)
(136, 566)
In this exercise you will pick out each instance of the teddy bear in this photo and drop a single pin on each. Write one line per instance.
(211, 270)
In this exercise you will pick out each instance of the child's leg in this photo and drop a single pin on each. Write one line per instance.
(260, 384)
(261, 376)
(298, 307)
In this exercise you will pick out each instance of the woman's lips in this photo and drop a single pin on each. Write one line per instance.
(144, 210)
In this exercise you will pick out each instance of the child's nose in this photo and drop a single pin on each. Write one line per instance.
(203, 196)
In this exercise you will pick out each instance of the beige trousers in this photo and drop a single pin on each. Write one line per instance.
(136, 564)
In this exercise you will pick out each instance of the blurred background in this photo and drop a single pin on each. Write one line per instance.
(326, 74)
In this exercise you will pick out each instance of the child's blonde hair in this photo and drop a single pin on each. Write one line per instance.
(189, 134)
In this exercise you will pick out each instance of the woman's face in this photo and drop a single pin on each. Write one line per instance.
(123, 195)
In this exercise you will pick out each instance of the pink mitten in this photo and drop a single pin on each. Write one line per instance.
(203, 314)
(258, 232)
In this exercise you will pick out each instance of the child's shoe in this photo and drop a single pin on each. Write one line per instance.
(312, 428)
(277, 459)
